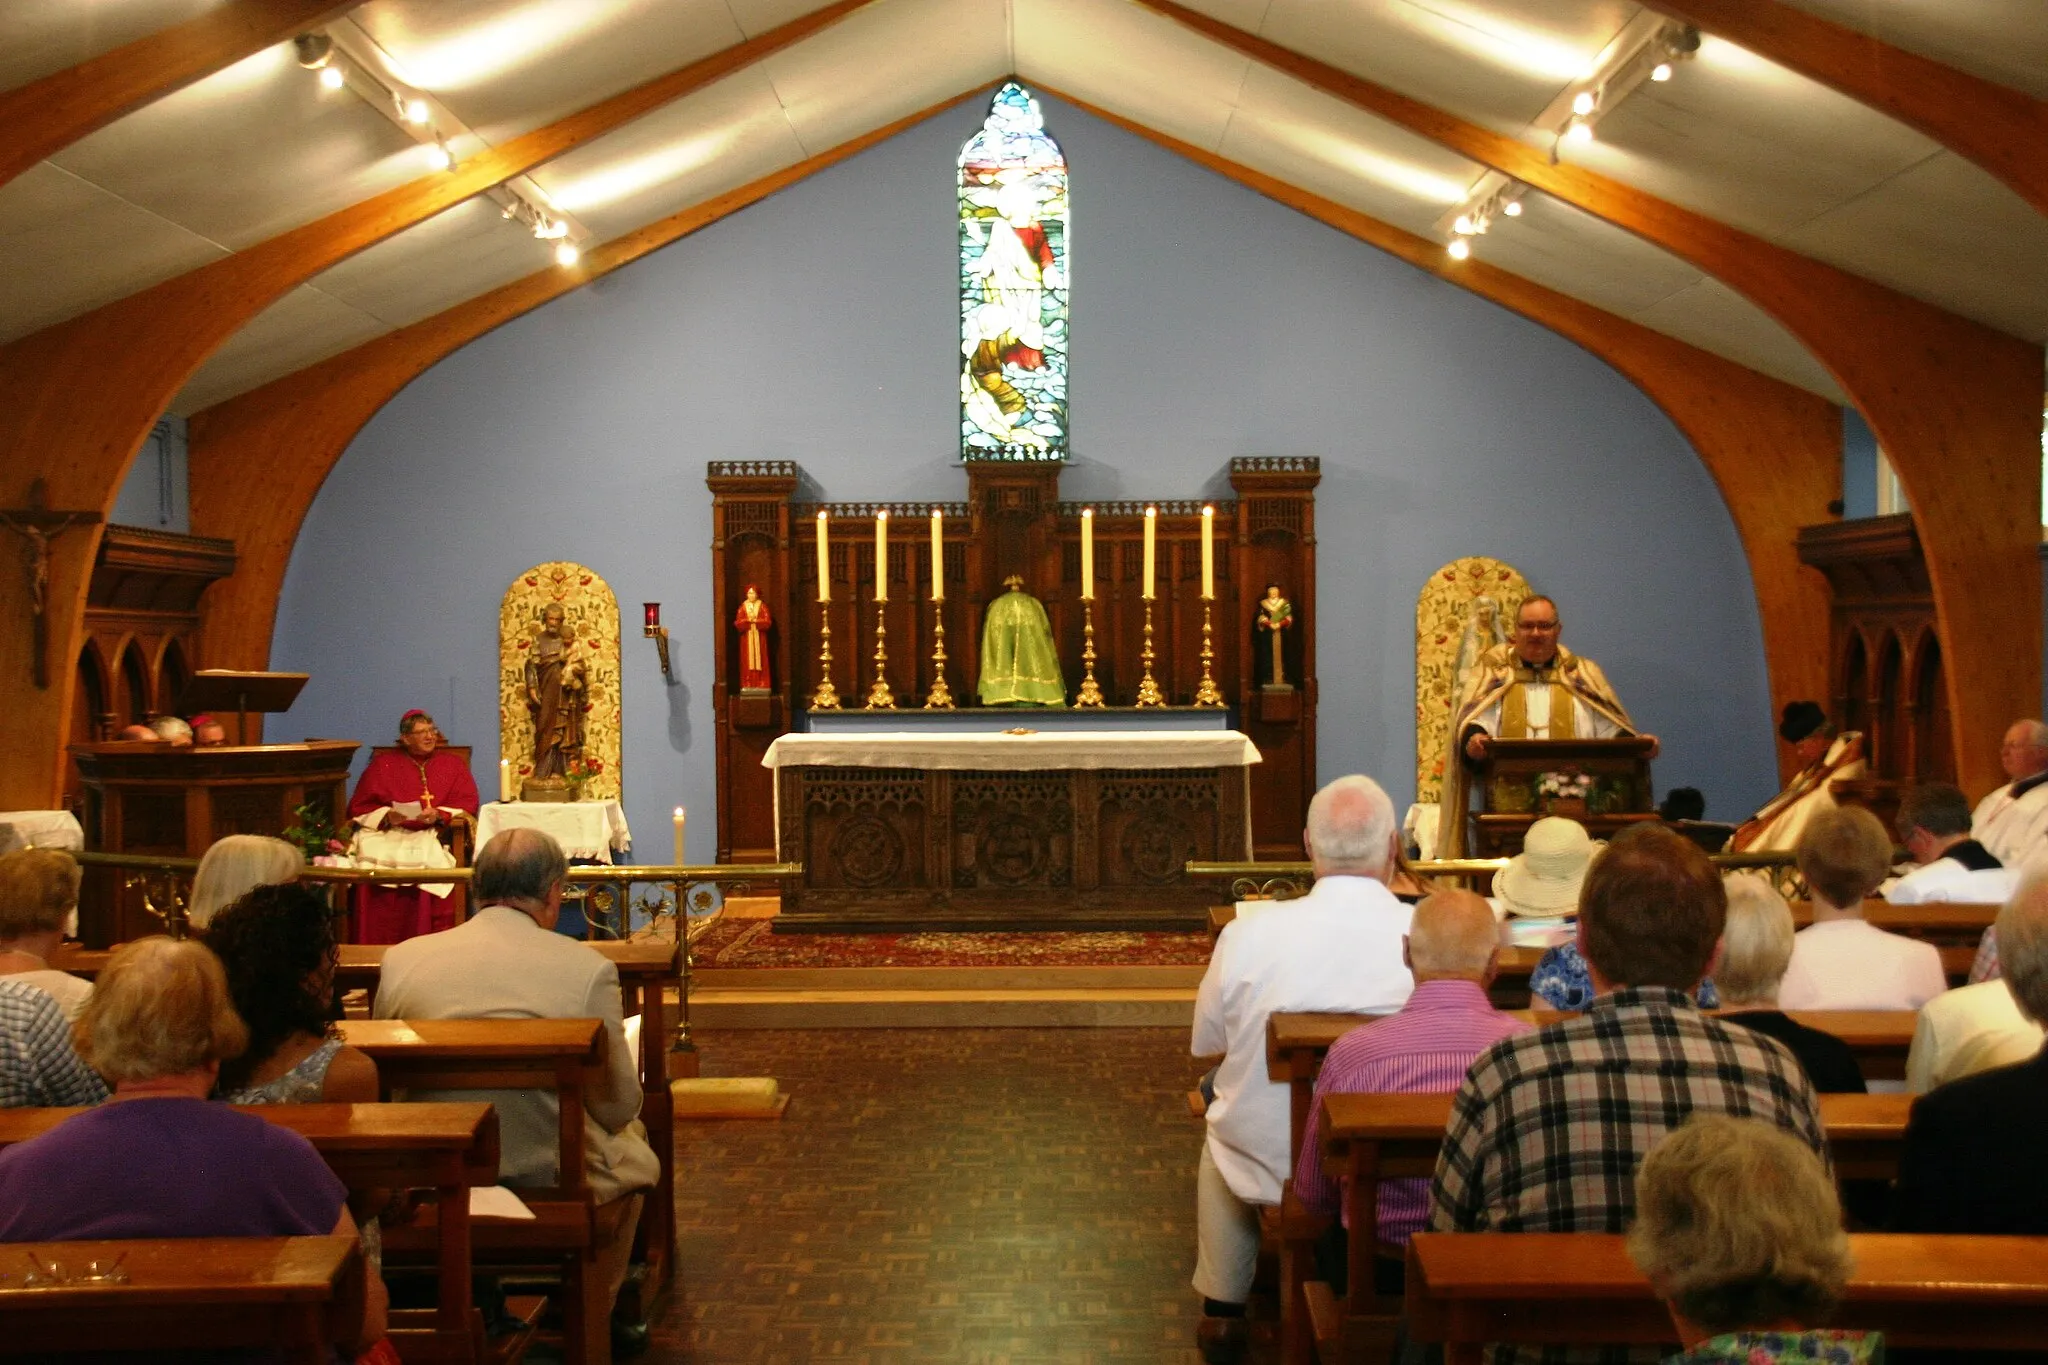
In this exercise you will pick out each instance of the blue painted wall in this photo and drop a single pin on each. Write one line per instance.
(820, 326)
(156, 493)
(1859, 466)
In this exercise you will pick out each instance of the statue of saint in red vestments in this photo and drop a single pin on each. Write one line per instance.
(752, 622)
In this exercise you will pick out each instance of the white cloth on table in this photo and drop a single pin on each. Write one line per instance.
(1848, 964)
(1017, 753)
(585, 829)
(1946, 880)
(40, 829)
(1338, 948)
(377, 847)
(2014, 828)
(1967, 1030)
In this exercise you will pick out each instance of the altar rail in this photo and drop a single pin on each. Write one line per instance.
(1281, 881)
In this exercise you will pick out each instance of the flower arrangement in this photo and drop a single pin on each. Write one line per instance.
(1569, 785)
(582, 769)
(313, 832)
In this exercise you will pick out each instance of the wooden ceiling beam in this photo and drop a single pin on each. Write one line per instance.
(258, 460)
(77, 399)
(2003, 130)
(1774, 450)
(41, 118)
(1955, 404)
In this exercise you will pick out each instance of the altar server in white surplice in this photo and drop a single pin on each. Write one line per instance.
(2013, 821)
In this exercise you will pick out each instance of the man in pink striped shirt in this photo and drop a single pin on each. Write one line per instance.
(1453, 948)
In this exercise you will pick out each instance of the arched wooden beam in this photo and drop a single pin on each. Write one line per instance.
(2001, 129)
(77, 399)
(1955, 404)
(257, 460)
(47, 115)
(1775, 451)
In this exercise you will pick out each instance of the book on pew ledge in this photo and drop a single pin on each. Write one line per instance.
(1532, 932)
(727, 1097)
(495, 1201)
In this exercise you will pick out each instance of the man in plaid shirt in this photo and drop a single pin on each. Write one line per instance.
(1549, 1127)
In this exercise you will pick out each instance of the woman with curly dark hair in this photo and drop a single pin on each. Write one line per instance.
(278, 945)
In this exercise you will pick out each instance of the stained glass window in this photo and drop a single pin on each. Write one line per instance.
(1013, 286)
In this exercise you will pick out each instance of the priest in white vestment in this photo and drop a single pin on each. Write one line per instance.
(1530, 688)
(2012, 822)
(1824, 759)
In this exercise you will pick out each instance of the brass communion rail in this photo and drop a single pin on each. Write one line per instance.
(1250, 881)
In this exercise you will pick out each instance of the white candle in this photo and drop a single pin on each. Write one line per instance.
(824, 563)
(1208, 553)
(679, 837)
(882, 555)
(1088, 554)
(938, 557)
(504, 779)
(1151, 547)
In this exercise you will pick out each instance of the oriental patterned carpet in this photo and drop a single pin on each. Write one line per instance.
(745, 943)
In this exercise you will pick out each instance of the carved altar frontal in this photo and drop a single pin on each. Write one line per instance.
(1062, 832)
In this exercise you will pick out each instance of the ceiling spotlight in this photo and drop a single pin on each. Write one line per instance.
(1578, 130)
(1661, 71)
(315, 50)
(550, 229)
(416, 111)
(1459, 248)
(1463, 227)
(1582, 103)
(566, 253)
(1513, 208)
(439, 157)
(332, 77)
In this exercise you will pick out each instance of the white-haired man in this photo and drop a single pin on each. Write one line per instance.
(2012, 822)
(1337, 948)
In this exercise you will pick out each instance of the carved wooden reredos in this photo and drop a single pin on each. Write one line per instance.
(1012, 521)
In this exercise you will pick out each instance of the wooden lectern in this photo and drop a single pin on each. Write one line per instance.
(220, 689)
(1510, 799)
(152, 798)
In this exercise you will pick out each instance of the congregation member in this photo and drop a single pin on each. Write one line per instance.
(1841, 961)
(507, 962)
(1824, 758)
(1544, 879)
(1739, 1231)
(1530, 688)
(207, 732)
(39, 1068)
(1452, 948)
(171, 730)
(1934, 825)
(401, 805)
(159, 1160)
(38, 911)
(2012, 822)
(1972, 1157)
(1756, 948)
(278, 947)
(1338, 948)
(1548, 1128)
(235, 865)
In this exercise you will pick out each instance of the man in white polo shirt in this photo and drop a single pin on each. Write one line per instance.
(2013, 821)
(1338, 949)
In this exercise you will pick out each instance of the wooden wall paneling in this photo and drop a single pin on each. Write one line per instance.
(1774, 451)
(43, 117)
(77, 399)
(2001, 129)
(1276, 498)
(1955, 404)
(750, 543)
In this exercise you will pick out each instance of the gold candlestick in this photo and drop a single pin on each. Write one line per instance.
(880, 698)
(826, 698)
(1148, 686)
(1091, 691)
(940, 698)
(1208, 694)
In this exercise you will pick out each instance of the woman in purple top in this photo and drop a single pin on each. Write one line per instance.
(158, 1160)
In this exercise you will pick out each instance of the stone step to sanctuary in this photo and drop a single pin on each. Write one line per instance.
(857, 1000)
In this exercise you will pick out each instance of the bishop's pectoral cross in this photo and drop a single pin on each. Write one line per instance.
(37, 525)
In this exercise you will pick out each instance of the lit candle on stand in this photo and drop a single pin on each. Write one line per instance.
(504, 779)
(938, 557)
(679, 837)
(1208, 553)
(824, 563)
(882, 555)
(1088, 554)
(1151, 547)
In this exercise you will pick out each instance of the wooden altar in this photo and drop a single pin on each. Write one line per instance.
(1507, 780)
(1011, 522)
(1084, 830)
(150, 798)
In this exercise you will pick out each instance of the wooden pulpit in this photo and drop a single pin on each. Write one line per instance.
(153, 798)
(1511, 796)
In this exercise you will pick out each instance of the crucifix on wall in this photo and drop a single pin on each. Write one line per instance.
(37, 525)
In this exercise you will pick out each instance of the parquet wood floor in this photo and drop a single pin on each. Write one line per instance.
(986, 1196)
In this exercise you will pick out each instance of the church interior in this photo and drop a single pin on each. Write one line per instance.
(904, 533)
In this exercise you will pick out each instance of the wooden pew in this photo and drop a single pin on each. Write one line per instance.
(1371, 1138)
(444, 1147)
(513, 1054)
(296, 1294)
(1465, 1289)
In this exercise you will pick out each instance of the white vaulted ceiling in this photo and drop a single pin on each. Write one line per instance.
(261, 147)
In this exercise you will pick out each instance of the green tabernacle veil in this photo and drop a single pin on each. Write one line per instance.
(1019, 665)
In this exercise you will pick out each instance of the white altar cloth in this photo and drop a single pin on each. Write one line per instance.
(584, 829)
(1015, 753)
(40, 829)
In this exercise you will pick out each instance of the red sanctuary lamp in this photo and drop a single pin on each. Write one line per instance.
(653, 629)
